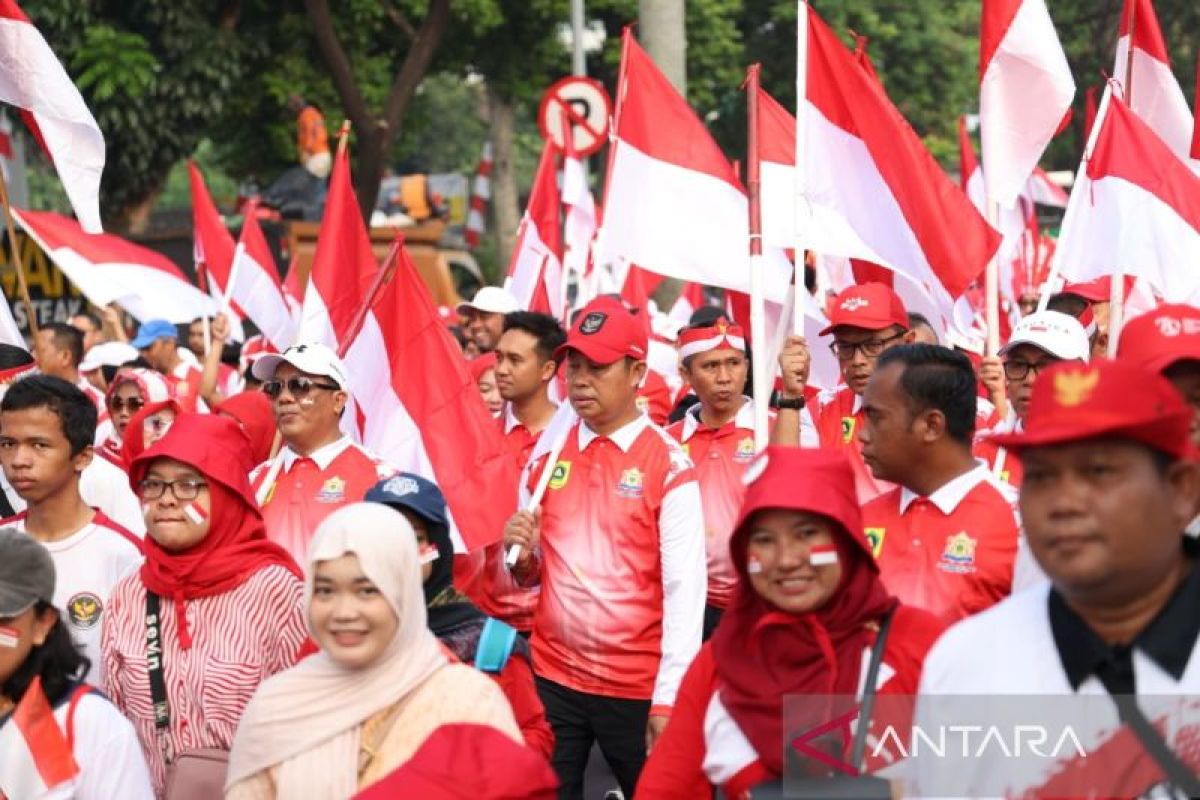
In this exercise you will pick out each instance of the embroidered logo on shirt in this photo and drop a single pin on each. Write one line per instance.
(84, 610)
(875, 539)
(332, 491)
(745, 450)
(959, 554)
(847, 429)
(558, 478)
(631, 483)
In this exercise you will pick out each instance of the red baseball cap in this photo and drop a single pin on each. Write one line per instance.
(606, 331)
(1098, 290)
(1169, 333)
(1073, 401)
(871, 306)
(801, 479)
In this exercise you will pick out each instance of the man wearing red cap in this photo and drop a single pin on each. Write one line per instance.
(1110, 483)
(866, 321)
(617, 548)
(946, 537)
(1167, 341)
(718, 435)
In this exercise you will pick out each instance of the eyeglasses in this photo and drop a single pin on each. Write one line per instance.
(299, 387)
(132, 404)
(1019, 370)
(183, 489)
(871, 348)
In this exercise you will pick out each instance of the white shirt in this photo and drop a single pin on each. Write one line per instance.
(110, 759)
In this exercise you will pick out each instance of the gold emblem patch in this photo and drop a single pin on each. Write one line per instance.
(558, 478)
(1074, 387)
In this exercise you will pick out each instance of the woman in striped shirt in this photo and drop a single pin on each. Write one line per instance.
(227, 601)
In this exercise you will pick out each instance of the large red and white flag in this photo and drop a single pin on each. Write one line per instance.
(32, 79)
(1025, 91)
(673, 203)
(109, 269)
(535, 272)
(212, 248)
(873, 191)
(1152, 92)
(1139, 212)
(35, 757)
(579, 229)
(257, 289)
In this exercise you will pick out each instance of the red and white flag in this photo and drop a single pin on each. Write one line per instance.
(970, 175)
(1139, 211)
(535, 272)
(579, 230)
(874, 192)
(256, 287)
(673, 203)
(212, 248)
(109, 269)
(35, 757)
(1025, 91)
(33, 79)
(1156, 95)
(689, 300)
(1044, 191)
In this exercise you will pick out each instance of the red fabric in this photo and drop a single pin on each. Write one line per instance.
(1169, 333)
(468, 762)
(236, 545)
(606, 331)
(763, 653)
(213, 244)
(654, 398)
(133, 442)
(516, 679)
(252, 410)
(871, 306)
(478, 366)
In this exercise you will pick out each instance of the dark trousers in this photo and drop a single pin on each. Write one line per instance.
(579, 719)
(712, 618)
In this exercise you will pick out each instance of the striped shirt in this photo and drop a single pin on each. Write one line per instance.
(239, 639)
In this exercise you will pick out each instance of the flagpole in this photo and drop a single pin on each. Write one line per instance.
(801, 150)
(382, 278)
(758, 324)
(22, 286)
(992, 287)
(1116, 291)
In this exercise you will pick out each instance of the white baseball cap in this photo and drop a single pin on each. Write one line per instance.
(313, 358)
(1057, 333)
(108, 354)
(492, 300)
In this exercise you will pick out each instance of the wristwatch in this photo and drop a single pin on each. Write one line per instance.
(793, 403)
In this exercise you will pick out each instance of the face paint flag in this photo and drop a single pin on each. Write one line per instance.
(196, 513)
(9, 637)
(823, 555)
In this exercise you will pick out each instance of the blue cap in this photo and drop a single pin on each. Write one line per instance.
(153, 330)
(413, 492)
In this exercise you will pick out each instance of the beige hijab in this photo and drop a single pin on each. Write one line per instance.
(307, 719)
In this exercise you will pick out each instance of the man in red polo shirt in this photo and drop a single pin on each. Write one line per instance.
(718, 435)
(946, 537)
(866, 321)
(617, 548)
(319, 469)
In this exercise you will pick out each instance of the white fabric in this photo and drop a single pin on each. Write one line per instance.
(323, 455)
(727, 751)
(1157, 97)
(110, 759)
(260, 296)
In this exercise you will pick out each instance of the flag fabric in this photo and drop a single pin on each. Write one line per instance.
(1139, 210)
(109, 269)
(35, 757)
(293, 292)
(212, 244)
(579, 230)
(1025, 91)
(673, 203)
(33, 79)
(481, 192)
(690, 299)
(256, 286)
(862, 155)
(970, 175)
(535, 272)
(1195, 154)
(1044, 191)
(1156, 96)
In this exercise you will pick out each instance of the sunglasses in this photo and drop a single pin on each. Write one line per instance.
(132, 404)
(298, 387)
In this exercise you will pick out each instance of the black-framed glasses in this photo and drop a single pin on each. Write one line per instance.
(299, 387)
(132, 404)
(183, 489)
(1019, 370)
(871, 348)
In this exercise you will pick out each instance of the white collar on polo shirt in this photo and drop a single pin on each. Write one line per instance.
(743, 420)
(949, 494)
(323, 455)
(623, 437)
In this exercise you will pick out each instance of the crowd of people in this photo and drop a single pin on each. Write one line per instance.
(213, 590)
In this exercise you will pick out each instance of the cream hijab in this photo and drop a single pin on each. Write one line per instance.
(307, 719)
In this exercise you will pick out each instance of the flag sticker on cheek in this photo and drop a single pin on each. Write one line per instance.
(9, 637)
(429, 554)
(753, 565)
(196, 513)
(823, 555)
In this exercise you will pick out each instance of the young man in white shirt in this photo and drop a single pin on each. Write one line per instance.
(46, 430)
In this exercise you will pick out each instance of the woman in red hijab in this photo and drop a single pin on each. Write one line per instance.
(228, 602)
(252, 411)
(806, 619)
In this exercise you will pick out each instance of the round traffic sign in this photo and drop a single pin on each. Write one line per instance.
(582, 103)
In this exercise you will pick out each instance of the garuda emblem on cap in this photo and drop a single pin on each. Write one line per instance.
(593, 322)
(1074, 387)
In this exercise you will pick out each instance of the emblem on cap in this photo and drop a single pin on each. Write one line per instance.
(593, 322)
(1168, 326)
(1074, 387)
(853, 304)
(401, 486)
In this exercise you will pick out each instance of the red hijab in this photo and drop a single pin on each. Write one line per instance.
(763, 653)
(252, 410)
(236, 545)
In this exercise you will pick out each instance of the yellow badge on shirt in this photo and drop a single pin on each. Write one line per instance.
(558, 478)
(631, 483)
(332, 491)
(847, 429)
(959, 554)
(745, 450)
(875, 539)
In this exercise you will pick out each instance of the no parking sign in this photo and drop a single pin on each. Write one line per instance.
(585, 104)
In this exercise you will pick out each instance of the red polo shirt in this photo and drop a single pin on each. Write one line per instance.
(950, 553)
(838, 416)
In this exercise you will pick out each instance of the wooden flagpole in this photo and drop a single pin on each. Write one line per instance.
(758, 324)
(22, 285)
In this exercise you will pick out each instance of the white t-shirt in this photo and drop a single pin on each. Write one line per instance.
(110, 759)
(88, 565)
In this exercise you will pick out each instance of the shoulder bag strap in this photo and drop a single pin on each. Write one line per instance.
(154, 666)
(1181, 776)
(869, 690)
